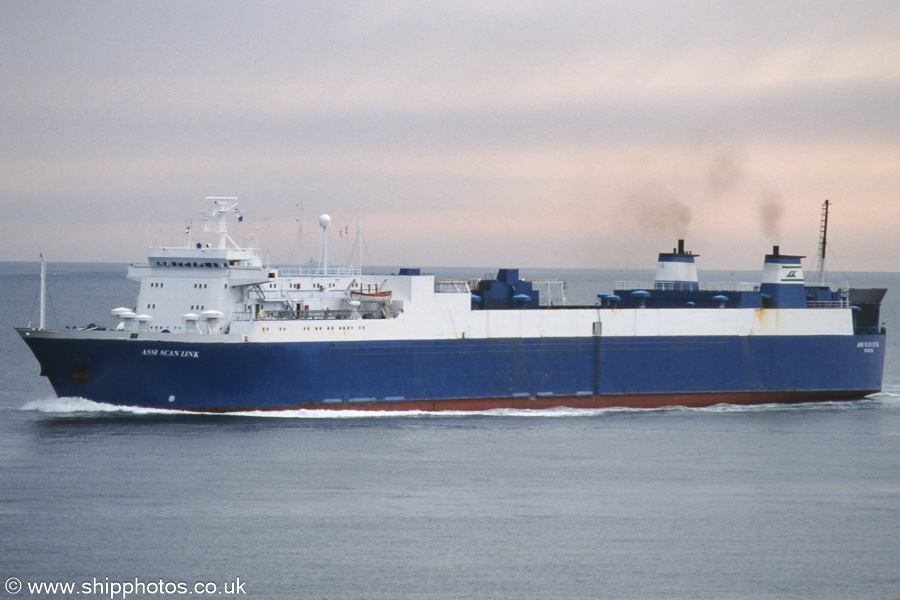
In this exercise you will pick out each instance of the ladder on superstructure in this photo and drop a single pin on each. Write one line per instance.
(823, 235)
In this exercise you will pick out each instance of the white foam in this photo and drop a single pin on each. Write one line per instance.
(557, 412)
(888, 398)
(319, 413)
(804, 406)
(74, 406)
(79, 406)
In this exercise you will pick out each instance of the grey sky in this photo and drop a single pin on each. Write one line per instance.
(468, 133)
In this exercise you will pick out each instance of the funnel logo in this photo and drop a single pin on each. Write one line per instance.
(791, 274)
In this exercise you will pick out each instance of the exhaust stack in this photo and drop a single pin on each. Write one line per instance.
(782, 280)
(676, 270)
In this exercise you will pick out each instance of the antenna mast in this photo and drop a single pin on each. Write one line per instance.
(223, 208)
(300, 235)
(820, 255)
(358, 243)
(324, 222)
(43, 292)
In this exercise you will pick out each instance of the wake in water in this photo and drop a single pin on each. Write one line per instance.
(79, 407)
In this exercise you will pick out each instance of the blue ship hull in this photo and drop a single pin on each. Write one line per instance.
(466, 374)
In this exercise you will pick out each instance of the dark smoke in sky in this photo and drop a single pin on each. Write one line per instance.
(655, 209)
(724, 174)
(771, 209)
(726, 178)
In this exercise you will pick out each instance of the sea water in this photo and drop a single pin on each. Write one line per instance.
(722, 502)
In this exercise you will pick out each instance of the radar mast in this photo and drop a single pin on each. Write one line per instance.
(820, 255)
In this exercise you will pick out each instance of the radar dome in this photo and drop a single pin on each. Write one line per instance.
(324, 221)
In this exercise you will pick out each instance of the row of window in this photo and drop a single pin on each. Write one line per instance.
(296, 286)
(343, 328)
(193, 306)
(197, 286)
(172, 263)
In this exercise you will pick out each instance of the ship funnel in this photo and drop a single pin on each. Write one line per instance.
(782, 280)
(676, 270)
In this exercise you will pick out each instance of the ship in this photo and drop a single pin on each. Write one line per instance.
(215, 329)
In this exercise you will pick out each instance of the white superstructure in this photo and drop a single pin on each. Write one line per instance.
(226, 290)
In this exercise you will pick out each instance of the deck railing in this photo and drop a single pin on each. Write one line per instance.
(289, 315)
(313, 271)
(451, 286)
(682, 286)
(842, 303)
